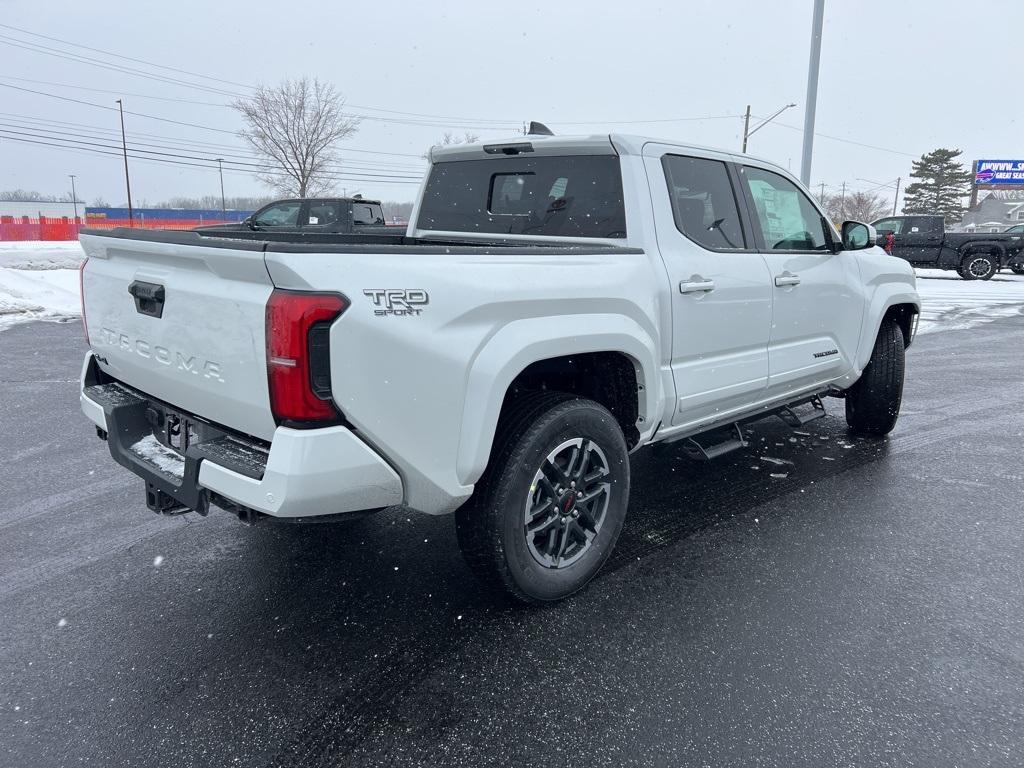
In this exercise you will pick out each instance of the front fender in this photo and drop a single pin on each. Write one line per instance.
(883, 299)
(493, 370)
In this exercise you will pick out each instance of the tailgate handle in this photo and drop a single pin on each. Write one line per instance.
(149, 298)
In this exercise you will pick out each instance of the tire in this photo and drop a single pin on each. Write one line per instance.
(873, 402)
(979, 266)
(569, 539)
(1018, 270)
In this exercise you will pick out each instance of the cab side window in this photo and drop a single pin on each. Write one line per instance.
(787, 218)
(703, 202)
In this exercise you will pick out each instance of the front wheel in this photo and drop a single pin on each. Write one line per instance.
(978, 266)
(1018, 269)
(549, 508)
(873, 402)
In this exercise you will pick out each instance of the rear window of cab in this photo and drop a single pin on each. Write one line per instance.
(556, 196)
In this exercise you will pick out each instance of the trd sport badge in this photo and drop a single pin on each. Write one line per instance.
(398, 301)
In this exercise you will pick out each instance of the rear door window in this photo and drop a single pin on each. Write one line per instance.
(703, 202)
(322, 213)
(571, 196)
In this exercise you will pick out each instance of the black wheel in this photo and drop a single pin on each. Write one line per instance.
(550, 506)
(1018, 270)
(873, 403)
(979, 266)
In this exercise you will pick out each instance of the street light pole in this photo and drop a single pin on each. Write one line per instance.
(812, 91)
(74, 197)
(220, 169)
(748, 131)
(124, 148)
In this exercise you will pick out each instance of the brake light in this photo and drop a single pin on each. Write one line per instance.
(81, 294)
(298, 356)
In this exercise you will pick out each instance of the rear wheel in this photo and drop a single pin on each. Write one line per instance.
(1018, 270)
(549, 508)
(873, 403)
(978, 266)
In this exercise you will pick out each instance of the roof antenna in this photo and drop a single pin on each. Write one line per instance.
(539, 129)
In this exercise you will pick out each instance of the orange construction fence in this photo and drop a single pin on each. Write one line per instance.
(13, 228)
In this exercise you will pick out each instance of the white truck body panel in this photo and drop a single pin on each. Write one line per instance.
(421, 395)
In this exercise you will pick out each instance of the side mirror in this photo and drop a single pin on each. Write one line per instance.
(858, 236)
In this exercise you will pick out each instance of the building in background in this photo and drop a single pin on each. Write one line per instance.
(993, 214)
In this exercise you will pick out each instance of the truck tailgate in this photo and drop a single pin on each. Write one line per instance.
(183, 324)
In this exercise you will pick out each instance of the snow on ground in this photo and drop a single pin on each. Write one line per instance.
(39, 281)
(949, 302)
(37, 254)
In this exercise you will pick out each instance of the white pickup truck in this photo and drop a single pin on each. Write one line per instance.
(555, 304)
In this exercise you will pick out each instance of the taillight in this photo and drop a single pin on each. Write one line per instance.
(298, 354)
(81, 294)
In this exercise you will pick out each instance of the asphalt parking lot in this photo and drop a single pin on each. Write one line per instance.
(865, 607)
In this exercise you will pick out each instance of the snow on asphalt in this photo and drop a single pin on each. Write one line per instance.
(39, 281)
(950, 303)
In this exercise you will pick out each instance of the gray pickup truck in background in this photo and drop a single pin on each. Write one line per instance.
(555, 304)
(924, 242)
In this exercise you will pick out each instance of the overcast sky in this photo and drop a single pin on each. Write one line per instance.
(905, 77)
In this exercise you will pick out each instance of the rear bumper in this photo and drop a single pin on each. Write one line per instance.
(302, 473)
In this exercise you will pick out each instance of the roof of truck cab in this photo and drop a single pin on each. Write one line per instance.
(598, 143)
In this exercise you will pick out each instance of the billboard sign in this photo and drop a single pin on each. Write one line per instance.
(999, 172)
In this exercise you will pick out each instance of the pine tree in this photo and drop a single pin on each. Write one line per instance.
(942, 184)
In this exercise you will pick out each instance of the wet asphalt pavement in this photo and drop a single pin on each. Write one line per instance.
(866, 609)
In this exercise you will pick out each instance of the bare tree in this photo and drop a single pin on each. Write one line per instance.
(295, 127)
(858, 206)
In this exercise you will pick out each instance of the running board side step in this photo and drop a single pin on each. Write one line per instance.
(795, 420)
(695, 450)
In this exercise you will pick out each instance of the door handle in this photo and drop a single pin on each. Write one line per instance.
(696, 284)
(786, 278)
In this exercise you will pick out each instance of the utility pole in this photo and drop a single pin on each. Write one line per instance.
(74, 197)
(821, 197)
(842, 203)
(124, 148)
(220, 169)
(897, 196)
(812, 91)
(746, 129)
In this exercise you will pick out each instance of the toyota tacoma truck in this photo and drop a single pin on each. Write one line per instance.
(924, 242)
(554, 305)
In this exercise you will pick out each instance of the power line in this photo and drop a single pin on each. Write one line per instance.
(122, 56)
(331, 177)
(847, 141)
(252, 168)
(49, 132)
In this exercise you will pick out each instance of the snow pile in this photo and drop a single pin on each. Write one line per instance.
(948, 302)
(36, 254)
(39, 281)
(27, 294)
